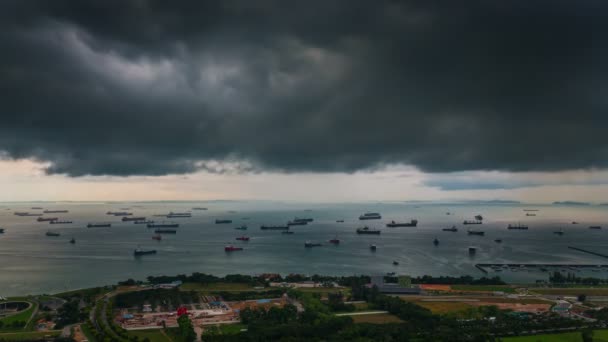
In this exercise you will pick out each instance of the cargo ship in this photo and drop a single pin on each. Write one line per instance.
(498, 240)
(274, 227)
(412, 223)
(287, 232)
(157, 237)
(199, 208)
(25, 213)
(243, 238)
(133, 218)
(339, 221)
(143, 222)
(163, 225)
(453, 229)
(243, 227)
(476, 232)
(297, 223)
(517, 226)
(366, 230)
(52, 234)
(310, 244)
(54, 211)
(165, 231)
(370, 216)
(530, 214)
(307, 220)
(177, 215)
(59, 222)
(472, 222)
(139, 252)
(99, 225)
(222, 221)
(36, 208)
(47, 219)
(231, 248)
(595, 227)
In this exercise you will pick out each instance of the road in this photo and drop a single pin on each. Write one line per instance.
(362, 313)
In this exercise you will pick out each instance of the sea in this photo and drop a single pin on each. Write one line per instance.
(33, 263)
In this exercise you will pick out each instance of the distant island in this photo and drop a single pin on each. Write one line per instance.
(570, 203)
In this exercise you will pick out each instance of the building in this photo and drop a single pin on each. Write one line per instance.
(403, 285)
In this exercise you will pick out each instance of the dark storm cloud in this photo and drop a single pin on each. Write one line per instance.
(156, 87)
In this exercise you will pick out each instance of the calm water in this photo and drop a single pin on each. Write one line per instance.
(31, 262)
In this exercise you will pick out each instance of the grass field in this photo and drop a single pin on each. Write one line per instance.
(376, 318)
(21, 316)
(483, 288)
(154, 335)
(572, 291)
(224, 329)
(28, 336)
(232, 287)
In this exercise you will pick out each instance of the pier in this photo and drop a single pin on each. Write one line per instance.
(588, 252)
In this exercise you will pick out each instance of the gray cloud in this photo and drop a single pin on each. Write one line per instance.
(152, 87)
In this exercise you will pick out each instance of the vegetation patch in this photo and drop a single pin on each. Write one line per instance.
(573, 291)
(154, 335)
(211, 287)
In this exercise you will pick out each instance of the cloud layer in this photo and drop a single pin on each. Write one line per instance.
(151, 87)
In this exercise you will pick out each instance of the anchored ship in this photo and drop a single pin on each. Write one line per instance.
(370, 216)
(59, 222)
(243, 238)
(412, 223)
(475, 232)
(366, 230)
(133, 218)
(47, 219)
(49, 233)
(297, 223)
(517, 226)
(309, 244)
(163, 225)
(472, 222)
(222, 221)
(138, 252)
(274, 227)
(175, 215)
(453, 229)
(99, 225)
(231, 248)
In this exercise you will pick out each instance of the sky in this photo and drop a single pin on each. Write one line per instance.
(308, 101)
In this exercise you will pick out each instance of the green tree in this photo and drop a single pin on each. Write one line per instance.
(186, 328)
